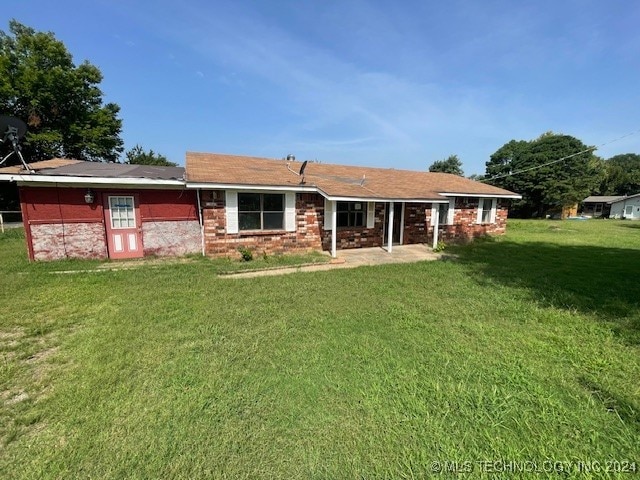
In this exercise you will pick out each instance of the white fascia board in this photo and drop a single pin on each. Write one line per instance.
(247, 188)
(302, 188)
(382, 200)
(84, 181)
(481, 195)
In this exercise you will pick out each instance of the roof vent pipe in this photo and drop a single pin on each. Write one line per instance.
(291, 158)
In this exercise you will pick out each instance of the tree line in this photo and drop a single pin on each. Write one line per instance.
(553, 171)
(60, 102)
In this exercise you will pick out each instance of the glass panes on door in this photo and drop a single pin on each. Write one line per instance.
(122, 212)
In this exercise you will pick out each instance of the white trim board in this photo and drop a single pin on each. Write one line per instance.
(383, 200)
(303, 188)
(250, 187)
(480, 195)
(64, 180)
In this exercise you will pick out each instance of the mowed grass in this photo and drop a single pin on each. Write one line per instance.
(523, 348)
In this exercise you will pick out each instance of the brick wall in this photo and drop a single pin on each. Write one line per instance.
(171, 237)
(55, 241)
(219, 243)
(357, 237)
(464, 226)
(415, 221)
(310, 235)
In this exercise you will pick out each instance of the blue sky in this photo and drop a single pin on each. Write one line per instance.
(379, 83)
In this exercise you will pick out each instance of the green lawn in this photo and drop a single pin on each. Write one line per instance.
(523, 348)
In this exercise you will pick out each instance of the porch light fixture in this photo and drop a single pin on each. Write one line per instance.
(89, 197)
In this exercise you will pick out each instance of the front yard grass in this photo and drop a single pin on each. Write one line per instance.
(524, 348)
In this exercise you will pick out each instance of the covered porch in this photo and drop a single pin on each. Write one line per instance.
(387, 223)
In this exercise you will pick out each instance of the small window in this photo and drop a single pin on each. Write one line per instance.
(261, 211)
(443, 213)
(485, 206)
(352, 214)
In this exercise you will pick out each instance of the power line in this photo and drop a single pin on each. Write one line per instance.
(517, 172)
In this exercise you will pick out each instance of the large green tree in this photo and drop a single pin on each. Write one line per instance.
(622, 175)
(60, 102)
(532, 169)
(137, 156)
(451, 164)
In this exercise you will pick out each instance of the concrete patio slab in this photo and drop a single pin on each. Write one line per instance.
(353, 258)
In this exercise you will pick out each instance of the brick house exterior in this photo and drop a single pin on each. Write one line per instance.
(218, 242)
(219, 204)
(310, 234)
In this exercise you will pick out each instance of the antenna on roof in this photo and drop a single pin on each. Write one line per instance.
(12, 129)
(301, 172)
(363, 179)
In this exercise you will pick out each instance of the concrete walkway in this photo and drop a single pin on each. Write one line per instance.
(353, 258)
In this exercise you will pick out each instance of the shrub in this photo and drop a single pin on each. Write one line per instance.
(247, 255)
(440, 247)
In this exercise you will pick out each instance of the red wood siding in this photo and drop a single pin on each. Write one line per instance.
(59, 224)
(51, 205)
(158, 205)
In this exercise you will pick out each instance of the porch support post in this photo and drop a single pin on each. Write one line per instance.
(436, 221)
(390, 232)
(201, 220)
(334, 224)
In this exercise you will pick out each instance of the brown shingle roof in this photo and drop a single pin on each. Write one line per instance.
(333, 180)
(41, 165)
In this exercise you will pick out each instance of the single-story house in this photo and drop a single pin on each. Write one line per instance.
(626, 207)
(598, 205)
(283, 205)
(220, 203)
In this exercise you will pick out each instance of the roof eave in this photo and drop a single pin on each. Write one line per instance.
(251, 186)
(344, 198)
(513, 196)
(84, 181)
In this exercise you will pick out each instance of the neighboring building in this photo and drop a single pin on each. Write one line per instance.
(224, 202)
(564, 212)
(265, 205)
(106, 210)
(626, 207)
(598, 205)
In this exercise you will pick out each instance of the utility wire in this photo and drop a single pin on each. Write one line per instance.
(517, 172)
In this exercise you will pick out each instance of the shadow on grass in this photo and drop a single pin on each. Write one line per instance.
(630, 225)
(589, 279)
